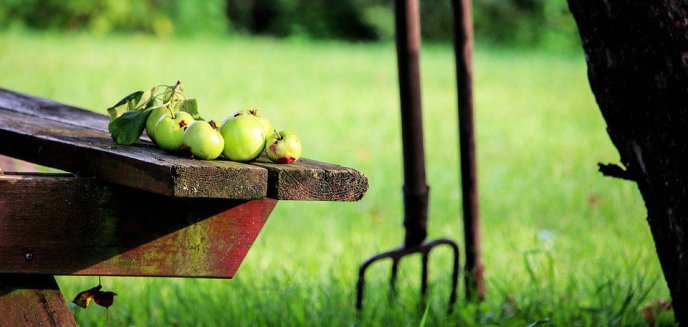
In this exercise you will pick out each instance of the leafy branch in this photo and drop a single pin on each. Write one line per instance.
(128, 116)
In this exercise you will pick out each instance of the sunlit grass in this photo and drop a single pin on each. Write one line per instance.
(560, 242)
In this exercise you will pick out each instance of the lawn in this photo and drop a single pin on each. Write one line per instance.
(561, 243)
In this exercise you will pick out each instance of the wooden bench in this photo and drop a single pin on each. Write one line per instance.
(128, 210)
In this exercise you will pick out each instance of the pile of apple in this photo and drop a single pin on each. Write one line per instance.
(174, 124)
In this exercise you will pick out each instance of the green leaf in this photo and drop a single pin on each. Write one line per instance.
(191, 106)
(124, 105)
(115, 112)
(128, 127)
(134, 96)
(146, 98)
(154, 102)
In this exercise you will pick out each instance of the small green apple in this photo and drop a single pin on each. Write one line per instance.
(243, 137)
(153, 120)
(169, 131)
(204, 140)
(283, 147)
(265, 123)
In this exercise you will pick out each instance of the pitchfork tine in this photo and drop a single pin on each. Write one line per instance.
(396, 256)
(360, 286)
(393, 278)
(424, 274)
(455, 276)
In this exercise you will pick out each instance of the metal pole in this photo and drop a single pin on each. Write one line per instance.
(407, 25)
(463, 51)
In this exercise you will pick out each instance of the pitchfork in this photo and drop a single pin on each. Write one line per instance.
(407, 27)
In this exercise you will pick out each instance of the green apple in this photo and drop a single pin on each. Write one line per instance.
(153, 120)
(169, 131)
(283, 147)
(264, 123)
(204, 140)
(243, 137)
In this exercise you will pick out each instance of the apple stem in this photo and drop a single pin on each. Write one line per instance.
(175, 87)
(168, 104)
(279, 137)
(169, 108)
(213, 124)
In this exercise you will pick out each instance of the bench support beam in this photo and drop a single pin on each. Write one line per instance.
(32, 300)
(65, 225)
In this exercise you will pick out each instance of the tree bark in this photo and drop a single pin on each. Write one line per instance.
(637, 56)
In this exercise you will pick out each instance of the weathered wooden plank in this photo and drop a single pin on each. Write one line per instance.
(32, 300)
(52, 110)
(89, 152)
(304, 180)
(312, 180)
(66, 225)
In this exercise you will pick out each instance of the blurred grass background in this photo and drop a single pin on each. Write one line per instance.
(561, 244)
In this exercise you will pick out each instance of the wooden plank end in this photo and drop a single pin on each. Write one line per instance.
(313, 181)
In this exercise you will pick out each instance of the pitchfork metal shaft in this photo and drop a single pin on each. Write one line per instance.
(407, 28)
(463, 51)
(407, 25)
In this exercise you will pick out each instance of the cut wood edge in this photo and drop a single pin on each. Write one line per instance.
(312, 180)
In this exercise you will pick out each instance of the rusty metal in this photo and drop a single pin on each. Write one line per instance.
(415, 189)
(407, 26)
(396, 255)
(463, 51)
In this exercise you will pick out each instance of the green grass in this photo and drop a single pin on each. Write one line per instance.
(561, 244)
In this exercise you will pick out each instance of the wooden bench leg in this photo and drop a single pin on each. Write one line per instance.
(32, 300)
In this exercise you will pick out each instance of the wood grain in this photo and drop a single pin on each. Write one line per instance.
(32, 301)
(52, 110)
(76, 140)
(80, 226)
(313, 181)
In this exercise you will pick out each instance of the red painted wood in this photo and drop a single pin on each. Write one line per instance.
(27, 300)
(82, 226)
(212, 248)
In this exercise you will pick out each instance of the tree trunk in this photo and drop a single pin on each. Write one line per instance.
(637, 56)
